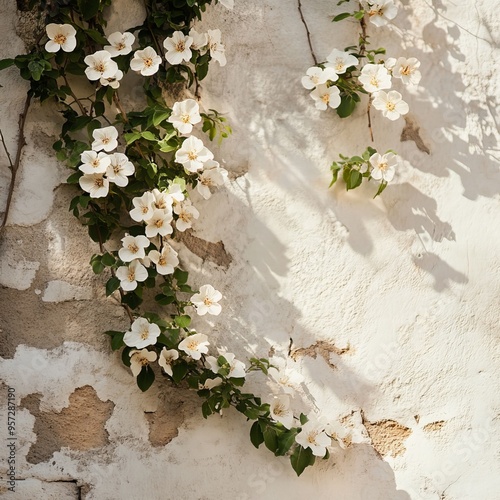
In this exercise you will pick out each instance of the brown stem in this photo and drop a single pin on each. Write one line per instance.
(308, 33)
(368, 108)
(73, 95)
(362, 50)
(197, 87)
(116, 100)
(14, 167)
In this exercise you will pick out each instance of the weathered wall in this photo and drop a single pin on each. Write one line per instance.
(392, 304)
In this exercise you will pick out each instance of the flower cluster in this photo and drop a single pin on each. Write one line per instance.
(101, 66)
(100, 168)
(373, 78)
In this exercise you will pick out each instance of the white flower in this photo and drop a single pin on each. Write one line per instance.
(236, 368)
(210, 383)
(375, 77)
(139, 359)
(339, 61)
(206, 301)
(95, 184)
(100, 65)
(133, 248)
(142, 333)
(178, 48)
(175, 191)
(94, 163)
(287, 379)
(217, 50)
(210, 178)
(199, 39)
(146, 62)
(281, 411)
(383, 166)
(162, 200)
(167, 357)
(339, 433)
(119, 169)
(143, 207)
(391, 104)
(113, 81)
(389, 63)
(317, 76)
(61, 36)
(406, 69)
(166, 260)
(131, 274)
(313, 436)
(105, 138)
(195, 345)
(121, 43)
(193, 154)
(184, 115)
(159, 224)
(229, 4)
(380, 12)
(186, 213)
(326, 96)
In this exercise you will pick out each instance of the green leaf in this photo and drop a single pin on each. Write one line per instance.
(303, 419)
(359, 14)
(159, 117)
(181, 276)
(206, 410)
(354, 180)
(107, 259)
(285, 441)
(117, 341)
(95, 35)
(270, 439)
(182, 321)
(256, 436)
(36, 70)
(165, 147)
(131, 137)
(202, 71)
(112, 284)
(97, 267)
(301, 458)
(89, 8)
(126, 356)
(381, 188)
(179, 371)
(5, 63)
(347, 105)
(146, 378)
(342, 16)
(164, 300)
(149, 136)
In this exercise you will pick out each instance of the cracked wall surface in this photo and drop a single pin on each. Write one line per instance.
(389, 308)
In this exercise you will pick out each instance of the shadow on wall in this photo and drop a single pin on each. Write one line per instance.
(453, 103)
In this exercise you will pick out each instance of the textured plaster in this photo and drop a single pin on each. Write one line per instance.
(399, 294)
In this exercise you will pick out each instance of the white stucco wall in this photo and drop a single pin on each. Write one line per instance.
(409, 282)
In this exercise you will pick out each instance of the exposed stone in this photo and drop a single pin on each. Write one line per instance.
(321, 348)
(80, 426)
(434, 426)
(214, 252)
(387, 436)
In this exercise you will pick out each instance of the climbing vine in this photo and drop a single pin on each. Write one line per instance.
(340, 81)
(133, 171)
